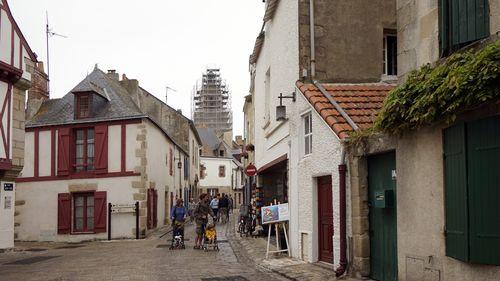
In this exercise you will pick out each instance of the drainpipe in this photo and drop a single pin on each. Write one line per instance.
(313, 44)
(343, 218)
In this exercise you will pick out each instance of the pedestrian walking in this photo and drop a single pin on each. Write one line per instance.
(223, 208)
(231, 204)
(201, 213)
(214, 204)
(178, 217)
(191, 208)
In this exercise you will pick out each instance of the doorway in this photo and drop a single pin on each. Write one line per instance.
(383, 229)
(325, 219)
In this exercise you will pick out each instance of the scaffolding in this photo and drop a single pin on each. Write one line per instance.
(211, 103)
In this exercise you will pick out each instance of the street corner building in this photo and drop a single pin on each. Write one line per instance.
(108, 141)
(19, 70)
(301, 110)
(424, 183)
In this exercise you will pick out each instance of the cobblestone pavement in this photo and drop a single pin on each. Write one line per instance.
(292, 269)
(130, 260)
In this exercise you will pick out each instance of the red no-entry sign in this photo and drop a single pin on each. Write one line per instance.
(251, 170)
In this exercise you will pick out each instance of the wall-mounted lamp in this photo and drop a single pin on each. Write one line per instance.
(179, 164)
(281, 109)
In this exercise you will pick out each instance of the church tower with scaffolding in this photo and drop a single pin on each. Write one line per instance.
(211, 106)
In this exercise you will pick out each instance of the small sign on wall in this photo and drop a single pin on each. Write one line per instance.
(8, 186)
(8, 203)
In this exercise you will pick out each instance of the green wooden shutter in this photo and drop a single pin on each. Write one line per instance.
(483, 142)
(455, 181)
(462, 21)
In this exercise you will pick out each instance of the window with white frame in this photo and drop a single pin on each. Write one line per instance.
(307, 125)
(390, 64)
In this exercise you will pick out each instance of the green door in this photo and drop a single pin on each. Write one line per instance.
(383, 236)
(483, 137)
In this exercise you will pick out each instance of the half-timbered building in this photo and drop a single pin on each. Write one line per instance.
(16, 63)
(94, 147)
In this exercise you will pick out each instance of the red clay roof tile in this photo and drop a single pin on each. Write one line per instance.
(361, 102)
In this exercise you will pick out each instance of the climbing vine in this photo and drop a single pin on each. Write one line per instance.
(432, 93)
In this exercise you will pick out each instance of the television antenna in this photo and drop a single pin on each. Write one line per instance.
(49, 33)
(167, 88)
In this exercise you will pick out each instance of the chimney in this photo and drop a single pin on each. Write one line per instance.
(39, 83)
(113, 75)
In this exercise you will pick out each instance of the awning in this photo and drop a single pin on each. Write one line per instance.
(269, 166)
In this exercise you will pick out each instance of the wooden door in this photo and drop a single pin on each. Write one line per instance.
(383, 235)
(325, 219)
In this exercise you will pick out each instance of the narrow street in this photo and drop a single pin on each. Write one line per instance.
(148, 259)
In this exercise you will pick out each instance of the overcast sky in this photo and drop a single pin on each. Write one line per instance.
(158, 42)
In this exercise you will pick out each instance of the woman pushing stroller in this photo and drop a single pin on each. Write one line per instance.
(201, 213)
(178, 217)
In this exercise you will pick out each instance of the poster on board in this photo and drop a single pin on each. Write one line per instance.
(275, 213)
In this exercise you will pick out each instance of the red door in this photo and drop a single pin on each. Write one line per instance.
(325, 219)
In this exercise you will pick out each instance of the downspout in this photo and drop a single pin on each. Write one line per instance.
(342, 185)
(343, 217)
(313, 44)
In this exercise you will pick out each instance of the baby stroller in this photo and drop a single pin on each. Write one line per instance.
(178, 236)
(210, 237)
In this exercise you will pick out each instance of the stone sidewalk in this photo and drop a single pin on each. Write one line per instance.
(290, 268)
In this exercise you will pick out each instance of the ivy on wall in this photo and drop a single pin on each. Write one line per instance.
(432, 93)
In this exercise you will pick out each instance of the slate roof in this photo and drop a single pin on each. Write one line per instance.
(209, 138)
(119, 104)
(361, 102)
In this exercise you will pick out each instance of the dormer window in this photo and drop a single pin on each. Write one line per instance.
(83, 102)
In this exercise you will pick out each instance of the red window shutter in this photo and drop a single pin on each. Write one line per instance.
(100, 211)
(63, 213)
(63, 152)
(150, 222)
(101, 149)
(171, 162)
(155, 208)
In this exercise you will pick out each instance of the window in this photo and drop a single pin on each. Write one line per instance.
(83, 205)
(83, 106)
(267, 100)
(390, 54)
(222, 171)
(462, 22)
(472, 209)
(307, 121)
(221, 153)
(84, 150)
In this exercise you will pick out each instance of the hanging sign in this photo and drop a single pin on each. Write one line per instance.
(251, 170)
(275, 213)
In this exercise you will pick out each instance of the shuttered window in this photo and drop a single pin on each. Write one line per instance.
(462, 22)
(472, 193)
(81, 212)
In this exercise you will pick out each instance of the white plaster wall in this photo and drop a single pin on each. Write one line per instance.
(114, 148)
(45, 149)
(7, 217)
(5, 37)
(38, 216)
(157, 169)
(212, 178)
(280, 55)
(131, 145)
(29, 154)
(304, 171)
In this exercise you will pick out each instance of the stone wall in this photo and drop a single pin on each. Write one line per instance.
(349, 38)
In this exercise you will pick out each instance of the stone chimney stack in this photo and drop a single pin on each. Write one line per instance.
(39, 83)
(113, 75)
